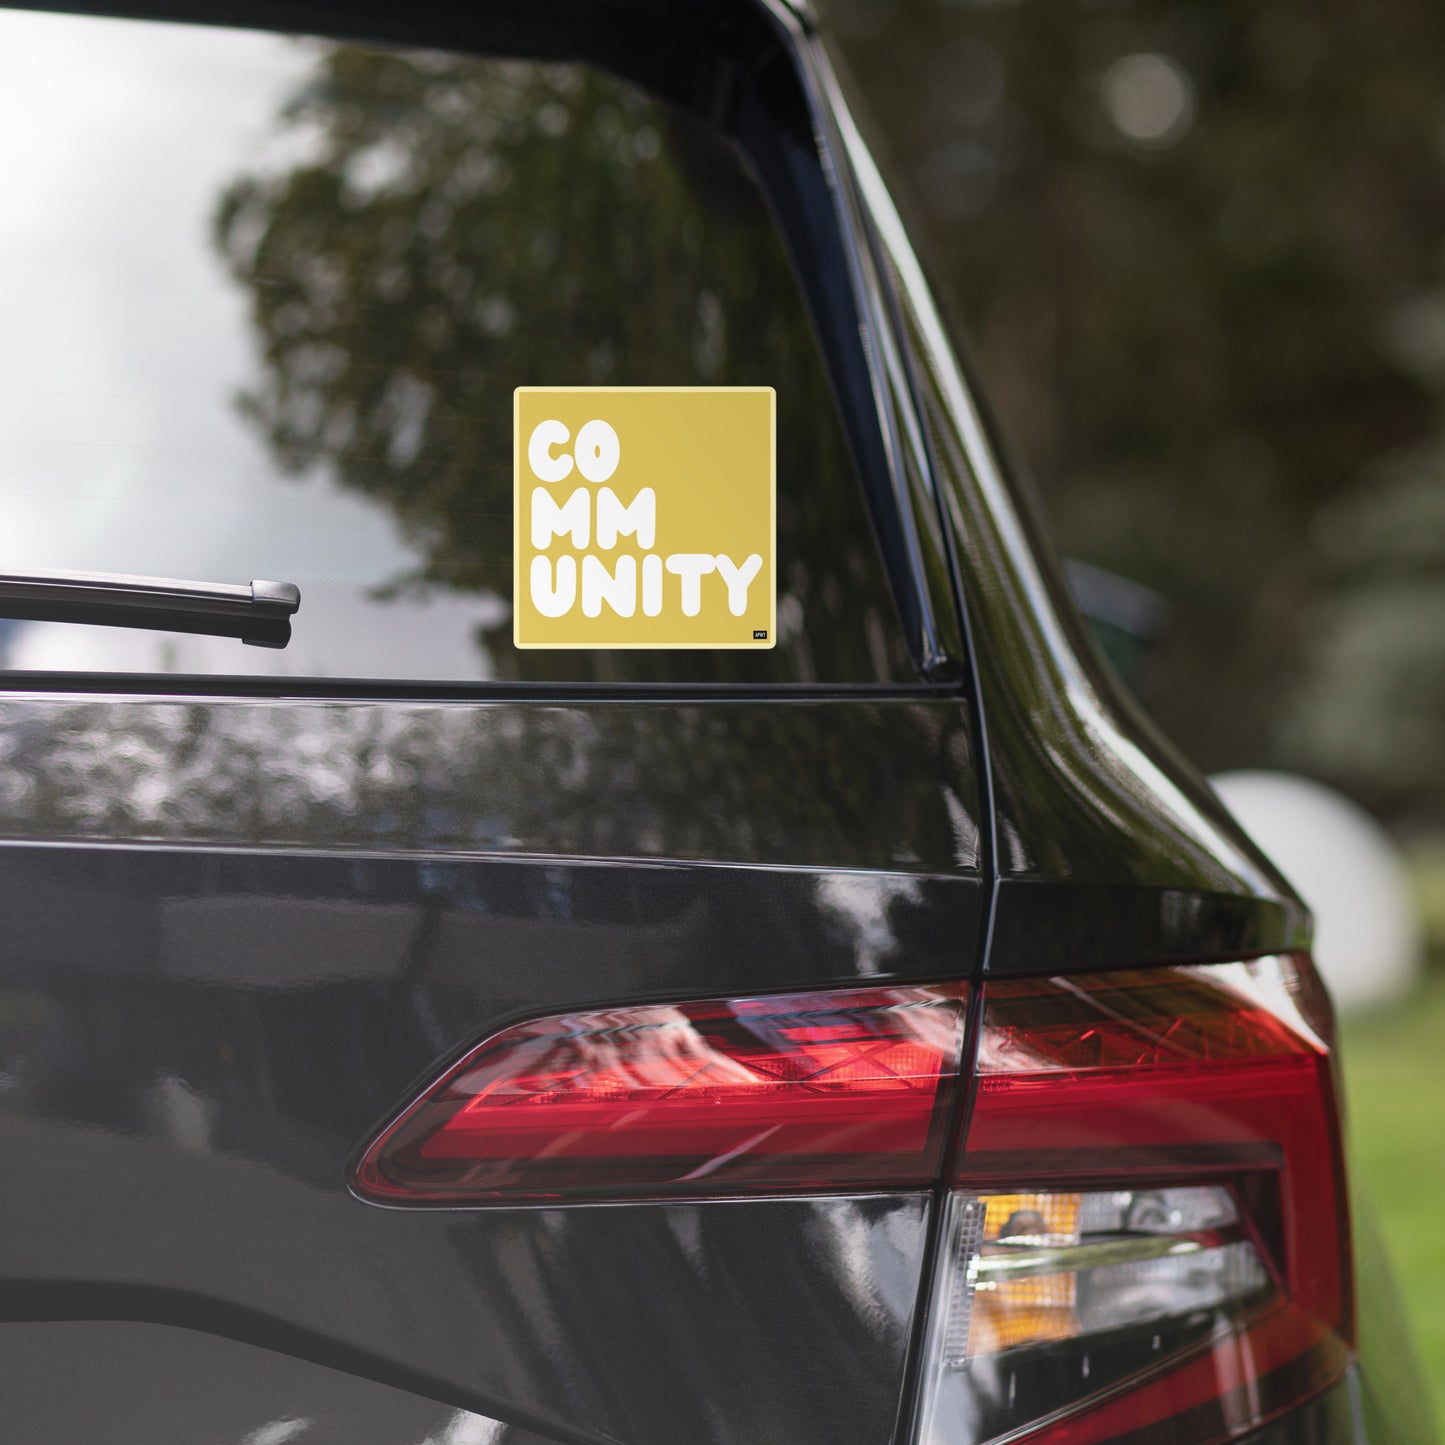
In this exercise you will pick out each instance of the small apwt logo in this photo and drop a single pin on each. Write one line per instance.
(644, 517)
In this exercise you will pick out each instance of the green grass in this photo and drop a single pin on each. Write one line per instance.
(1394, 1064)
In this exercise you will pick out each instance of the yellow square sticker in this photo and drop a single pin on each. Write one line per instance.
(644, 516)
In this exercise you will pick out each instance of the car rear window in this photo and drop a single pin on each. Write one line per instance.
(266, 301)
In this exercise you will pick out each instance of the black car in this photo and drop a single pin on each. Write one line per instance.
(869, 1032)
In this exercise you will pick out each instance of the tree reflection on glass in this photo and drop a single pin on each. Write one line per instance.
(455, 228)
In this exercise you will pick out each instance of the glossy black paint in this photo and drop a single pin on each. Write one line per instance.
(489, 1312)
(1109, 848)
(234, 1392)
(238, 930)
(876, 783)
(239, 1389)
(333, 898)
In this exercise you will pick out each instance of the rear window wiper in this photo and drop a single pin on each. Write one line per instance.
(257, 612)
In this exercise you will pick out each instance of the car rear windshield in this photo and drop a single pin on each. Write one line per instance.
(266, 300)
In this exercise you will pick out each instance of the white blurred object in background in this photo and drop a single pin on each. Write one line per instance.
(1349, 871)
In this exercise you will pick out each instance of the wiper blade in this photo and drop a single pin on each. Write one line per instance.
(258, 613)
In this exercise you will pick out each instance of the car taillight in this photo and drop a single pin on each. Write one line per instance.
(1148, 1238)
(1144, 1235)
(843, 1089)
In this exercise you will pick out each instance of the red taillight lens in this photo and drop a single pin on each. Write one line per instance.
(1145, 1237)
(1151, 1221)
(822, 1091)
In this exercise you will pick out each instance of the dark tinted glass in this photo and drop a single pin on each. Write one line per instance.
(266, 301)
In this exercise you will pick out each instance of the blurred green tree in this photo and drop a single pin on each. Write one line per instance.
(1198, 250)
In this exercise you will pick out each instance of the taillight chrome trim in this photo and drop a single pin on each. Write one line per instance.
(1024, 1261)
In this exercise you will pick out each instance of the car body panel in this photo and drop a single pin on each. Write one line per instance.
(318, 903)
(594, 1324)
(1102, 835)
(234, 1392)
(202, 1024)
(242, 930)
(865, 782)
